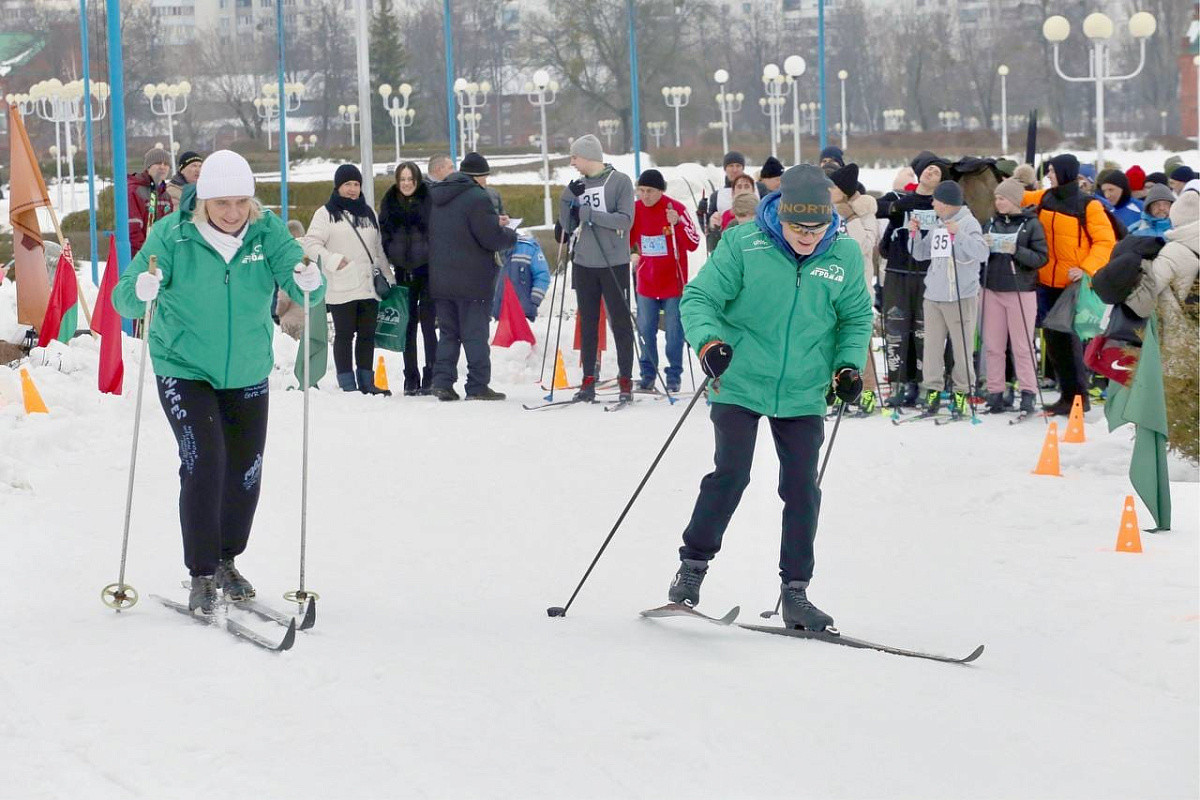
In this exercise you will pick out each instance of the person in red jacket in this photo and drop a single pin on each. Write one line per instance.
(661, 237)
(148, 198)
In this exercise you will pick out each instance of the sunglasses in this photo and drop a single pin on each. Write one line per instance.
(808, 231)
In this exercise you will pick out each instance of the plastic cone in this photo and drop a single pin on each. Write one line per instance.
(381, 381)
(1129, 540)
(33, 401)
(560, 372)
(1048, 462)
(1074, 434)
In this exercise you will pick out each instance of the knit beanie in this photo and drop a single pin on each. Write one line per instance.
(156, 156)
(846, 179)
(834, 153)
(1011, 190)
(653, 179)
(1156, 177)
(1088, 172)
(225, 174)
(346, 173)
(1066, 168)
(1025, 175)
(733, 157)
(771, 168)
(1183, 174)
(474, 164)
(588, 146)
(948, 192)
(1158, 192)
(804, 196)
(1136, 177)
(188, 158)
(924, 159)
(1171, 163)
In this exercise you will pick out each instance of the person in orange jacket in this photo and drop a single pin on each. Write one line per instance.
(1081, 239)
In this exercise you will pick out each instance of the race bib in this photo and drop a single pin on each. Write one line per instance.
(654, 245)
(1004, 242)
(926, 218)
(593, 197)
(941, 244)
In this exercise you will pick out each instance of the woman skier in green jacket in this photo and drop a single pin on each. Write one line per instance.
(220, 257)
(786, 294)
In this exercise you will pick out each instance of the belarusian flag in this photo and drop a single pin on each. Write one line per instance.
(62, 313)
(107, 322)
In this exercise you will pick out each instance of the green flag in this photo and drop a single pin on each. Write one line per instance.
(1144, 404)
(318, 343)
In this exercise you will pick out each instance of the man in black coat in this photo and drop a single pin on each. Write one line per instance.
(465, 233)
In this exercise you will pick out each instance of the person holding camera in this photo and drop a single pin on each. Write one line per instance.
(780, 314)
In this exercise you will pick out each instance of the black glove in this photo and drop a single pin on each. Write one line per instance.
(560, 235)
(576, 187)
(848, 384)
(715, 357)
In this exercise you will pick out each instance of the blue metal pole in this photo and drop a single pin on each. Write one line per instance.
(116, 118)
(91, 151)
(283, 139)
(821, 66)
(633, 90)
(448, 35)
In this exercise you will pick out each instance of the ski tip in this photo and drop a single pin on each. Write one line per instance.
(310, 615)
(976, 653)
(731, 616)
(289, 638)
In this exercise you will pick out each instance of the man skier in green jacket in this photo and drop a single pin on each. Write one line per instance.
(786, 294)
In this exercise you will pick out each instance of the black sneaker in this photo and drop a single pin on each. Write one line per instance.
(673, 386)
(445, 395)
(486, 393)
(203, 597)
(232, 582)
(646, 385)
(685, 588)
(798, 612)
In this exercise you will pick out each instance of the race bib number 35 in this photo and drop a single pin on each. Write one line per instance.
(941, 245)
(593, 197)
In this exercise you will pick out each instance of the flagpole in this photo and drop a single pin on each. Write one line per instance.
(116, 116)
(91, 152)
(66, 246)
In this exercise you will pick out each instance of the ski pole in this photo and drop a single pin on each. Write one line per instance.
(643, 346)
(562, 305)
(1029, 341)
(121, 595)
(561, 611)
(550, 316)
(679, 274)
(300, 595)
(962, 327)
(820, 477)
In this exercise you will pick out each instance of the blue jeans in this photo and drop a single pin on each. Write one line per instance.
(647, 320)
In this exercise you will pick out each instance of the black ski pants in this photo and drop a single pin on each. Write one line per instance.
(592, 283)
(354, 332)
(904, 326)
(221, 435)
(798, 445)
(420, 311)
(463, 325)
(1064, 350)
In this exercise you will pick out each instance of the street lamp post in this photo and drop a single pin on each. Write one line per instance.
(659, 130)
(471, 97)
(721, 76)
(542, 92)
(167, 100)
(397, 109)
(893, 119)
(794, 67)
(1163, 116)
(1002, 71)
(349, 115)
(811, 111)
(776, 87)
(676, 97)
(842, 75)
(1099, 28)
(306, 142)
(608, 127)
(269, 107)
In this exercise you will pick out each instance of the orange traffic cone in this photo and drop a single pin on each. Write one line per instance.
(560, 372)
(1129, 540)
(381, 381)
(1074, 434)
(33, 401)
(1048, 462)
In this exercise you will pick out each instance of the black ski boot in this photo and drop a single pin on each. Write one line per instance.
(995, 403)
(625, 390)
(587, 390)
(685, 588)
(1027, 400)
(366, 383)
(232, 582)
(798, 612)
(203, 597)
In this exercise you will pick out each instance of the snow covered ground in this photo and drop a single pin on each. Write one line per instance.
(438, 535)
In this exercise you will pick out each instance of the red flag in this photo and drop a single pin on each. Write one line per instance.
(107, 322)
(513, 326)
(62, 312)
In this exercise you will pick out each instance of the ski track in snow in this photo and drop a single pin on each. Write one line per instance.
(438, 535)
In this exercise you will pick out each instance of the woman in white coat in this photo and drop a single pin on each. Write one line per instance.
(344, 237)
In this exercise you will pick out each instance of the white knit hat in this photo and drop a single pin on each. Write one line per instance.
(225, 174)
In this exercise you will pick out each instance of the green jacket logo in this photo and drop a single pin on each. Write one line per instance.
(254, 255)
(833, 272)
